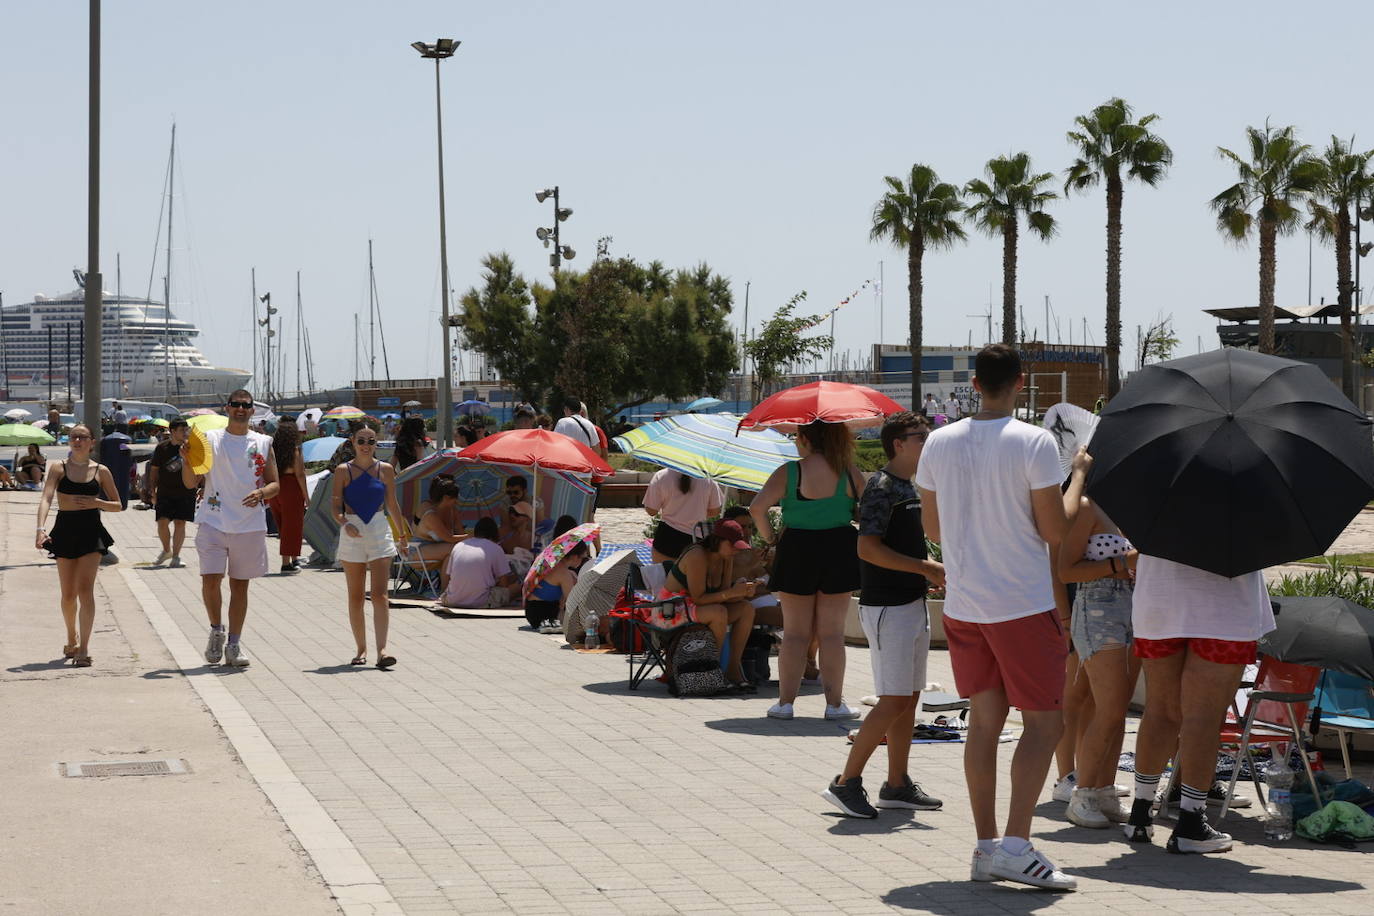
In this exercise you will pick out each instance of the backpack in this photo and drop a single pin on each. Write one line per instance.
(694, 663)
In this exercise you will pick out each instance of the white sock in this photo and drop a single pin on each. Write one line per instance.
(1015, 845)
(988, 847)
(1146, 785)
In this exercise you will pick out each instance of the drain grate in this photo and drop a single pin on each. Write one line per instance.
(126, 768)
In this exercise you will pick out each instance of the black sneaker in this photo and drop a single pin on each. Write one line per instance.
(1140, 826)
(1216, 796)
(1193, 834)
(849, 796)
(909, 796)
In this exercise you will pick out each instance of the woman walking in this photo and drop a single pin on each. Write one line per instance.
(289, 505)
(817, 563)
(78, 538)
(364, 494)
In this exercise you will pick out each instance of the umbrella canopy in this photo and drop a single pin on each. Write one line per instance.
(321, 449)
(1231, 461)
(199, 412)
(391, 416)
(473, 408)
(830, 402)
(704, 404)
(481, 488)
(1324, 632)
(411, 404)
(343, 412)
(154, 421)
(599, 584)
(208, 421)
(538, 448)
(709, 446)
(320, 530)
(1071, 427)
(23, 434)
(562, 545)
(17, 413)
(309, 415)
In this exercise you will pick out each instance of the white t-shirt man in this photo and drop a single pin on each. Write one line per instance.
(930, 407)
(682, 510)
(579, 428)
(952, 408)
(1173, 601)
(238, 465)
(473, 568)
(997, 567)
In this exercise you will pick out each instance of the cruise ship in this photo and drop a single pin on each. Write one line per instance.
(147, 352)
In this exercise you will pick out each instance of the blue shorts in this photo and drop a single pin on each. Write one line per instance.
(1101, 616)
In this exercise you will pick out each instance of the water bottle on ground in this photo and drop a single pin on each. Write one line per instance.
(593, 638)
(1278, 825)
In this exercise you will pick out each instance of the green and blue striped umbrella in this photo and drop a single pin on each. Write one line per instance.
(706, 445)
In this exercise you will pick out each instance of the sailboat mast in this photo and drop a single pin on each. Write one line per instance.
(119, 328)
(371, 317)
(167, 280)
(381, 328)
(299, 325)
(254, 329)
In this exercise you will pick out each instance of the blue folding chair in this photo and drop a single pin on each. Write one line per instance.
(1345, 704)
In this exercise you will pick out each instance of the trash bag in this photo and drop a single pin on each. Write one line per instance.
(1340, 822)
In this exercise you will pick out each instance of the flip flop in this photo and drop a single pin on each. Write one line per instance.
(384, 662)
(69, 651)
(359, 660)
(81, 661)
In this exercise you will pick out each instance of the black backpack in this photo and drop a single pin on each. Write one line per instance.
(694, 663)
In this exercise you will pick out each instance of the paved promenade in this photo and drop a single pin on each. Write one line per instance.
(492, 771)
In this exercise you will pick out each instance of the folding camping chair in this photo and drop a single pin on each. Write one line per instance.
(651, 620)
(409, 568)
(1344, 704)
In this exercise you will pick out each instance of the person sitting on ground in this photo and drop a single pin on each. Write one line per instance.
(705, 574)
(567, 523)
(545, 604)
(477, 573)
(679, 502)
(32, 466)
(517, 528)
(440, 528)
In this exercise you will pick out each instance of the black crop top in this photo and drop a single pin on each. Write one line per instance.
(80, 488)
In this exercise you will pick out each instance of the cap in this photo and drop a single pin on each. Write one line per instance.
(731, 531)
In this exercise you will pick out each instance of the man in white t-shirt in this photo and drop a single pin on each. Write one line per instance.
(576, 426)
(231, 534)
(952, 408)
(930, 407)
(990, 496)
(477, 573)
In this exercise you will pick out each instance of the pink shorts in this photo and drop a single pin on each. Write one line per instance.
(242, 556)
(1023, 657)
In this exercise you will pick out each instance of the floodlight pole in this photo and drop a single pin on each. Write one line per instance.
(94, 284)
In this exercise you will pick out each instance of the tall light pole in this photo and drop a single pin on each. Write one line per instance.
(560, 252)
(441, 49)
(94, 284)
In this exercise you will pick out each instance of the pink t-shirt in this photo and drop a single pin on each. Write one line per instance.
(682, 510)
(474, 566)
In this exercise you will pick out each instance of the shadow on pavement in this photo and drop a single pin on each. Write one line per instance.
(164, 673)
(1156, 868)
(891, 820)
(800, 727)
(956, 898)
(39, 666)
(336, 669)
(27, 565)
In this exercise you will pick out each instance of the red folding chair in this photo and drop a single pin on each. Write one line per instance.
(651, 620)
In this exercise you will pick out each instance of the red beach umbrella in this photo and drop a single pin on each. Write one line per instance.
(831, 402)
(537, 448)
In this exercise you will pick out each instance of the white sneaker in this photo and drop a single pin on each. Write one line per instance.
(162, 557)
(981, 867)
(214, 649)
(235, 656)
(1063, 788)
(1123, 791)
(780, 711)
(1084, 811)
(1109, 803)
(840, 712)
(1031, 868)
(175, 563)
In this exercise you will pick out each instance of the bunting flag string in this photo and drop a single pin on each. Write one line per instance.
(821, 319)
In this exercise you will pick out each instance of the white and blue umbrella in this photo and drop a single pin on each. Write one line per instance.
(321, 449)
(708, 446)
(473, 408)
(704, 404)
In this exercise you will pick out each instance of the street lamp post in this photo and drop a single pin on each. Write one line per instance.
(441, 49)
(94, 286)
(560, 252)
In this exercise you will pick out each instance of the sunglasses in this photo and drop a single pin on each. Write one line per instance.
(366, 441)
(241, 405)
(918, 436)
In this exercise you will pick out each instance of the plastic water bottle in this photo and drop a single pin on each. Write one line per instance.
(593, 638)
(1278, 825)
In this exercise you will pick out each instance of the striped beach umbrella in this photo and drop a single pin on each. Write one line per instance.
(343, 412)
(708, 446)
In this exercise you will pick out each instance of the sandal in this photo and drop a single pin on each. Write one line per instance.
(359, 660)
(69, 651)
(743, 687)
(81, 661)
(384, 662)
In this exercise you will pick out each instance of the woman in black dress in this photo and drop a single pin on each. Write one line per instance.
(78, 538)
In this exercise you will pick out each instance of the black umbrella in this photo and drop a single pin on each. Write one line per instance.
(1326, 632)
(1231, 461)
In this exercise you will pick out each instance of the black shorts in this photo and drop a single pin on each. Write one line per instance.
(78, 532)
(811, 561)
(539, 612)
(669, 541)
(176, 508)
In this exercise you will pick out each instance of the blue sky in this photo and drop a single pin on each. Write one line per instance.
(751, 135)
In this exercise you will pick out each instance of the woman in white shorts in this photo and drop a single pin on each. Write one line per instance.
(364, 494)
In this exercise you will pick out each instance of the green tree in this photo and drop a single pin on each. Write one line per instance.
(1112, 149)
(1278, 175)
(920, 214)
(1010, 190)
(498, 320)
(779, 343)
(1344, 182)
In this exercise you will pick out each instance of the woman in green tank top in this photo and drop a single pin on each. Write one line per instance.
(817, 563)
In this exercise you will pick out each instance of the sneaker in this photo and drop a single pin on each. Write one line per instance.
(1031, 868)
(175, 562)
(981, 867)
(908, 795)
(1123, 791)
(780, 711)
(1193, 834)
(1109, 803)
(1084, 810)
(162, 557)
(214, 649)
(849, 796)
(1216, 796)
(1063, 788)
(1140, 826)
(109, 559)
(840, 712)
(235, 656)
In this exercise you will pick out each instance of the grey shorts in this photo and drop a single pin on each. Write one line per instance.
(898, 644)
(1101, 616)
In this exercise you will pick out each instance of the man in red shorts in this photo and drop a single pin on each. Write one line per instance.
(990, 494)
(1195, 632)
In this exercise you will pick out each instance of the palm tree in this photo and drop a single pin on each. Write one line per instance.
(1011, 189)
(1111, 149)
(1345, 182)
(917, 215)
(1279, 174)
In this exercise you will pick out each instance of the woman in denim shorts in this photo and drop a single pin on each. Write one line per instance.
(1095, 555)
